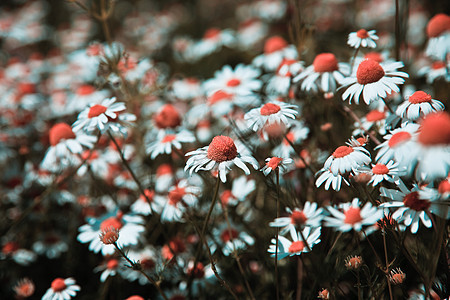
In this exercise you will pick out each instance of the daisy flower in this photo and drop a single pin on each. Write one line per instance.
(64, 144)
(221, 153)
(150, 261)
(187, 88)
(310, 216)
(373, 80)
(241, 80)
(180, 197)
(110, 268)
(213, 40)
(281, 81)
(276, 164)
(61, 289)
(380, 172)
(351, 216)
(269, 113)
(166, 141)
(438, 31)
(230, 239)
(362, 38)
(275, 50)
(411, 209)
(241, 188)
(98, 115)
(141, 205)
(297, 133)
(250, 33)
(433, 160)
(167, 117)
(330, 179)
(221, 103)
(418, 105)
(324, 74)
(130, 228)
(24, 288)
(297, 246)
(346, 158)
(374, 118)
(437, 70)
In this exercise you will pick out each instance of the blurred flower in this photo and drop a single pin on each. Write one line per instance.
(24, 288)
(362, 38)
(330, 179)
(438, 31)
(61, 289)
(165, 141)
(353, 262)
(297, 246)
(230, 239)
(380, 172)
(397, 276)
(310, 216)
(276, 164)
(418, 105)
(275, 50)
(270, 113)
(241, 188)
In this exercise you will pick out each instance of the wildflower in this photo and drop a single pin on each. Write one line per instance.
(276, 164)
(310, 216)
(374, 119)
(330, 179)
(110, 268)
(325, 73)
(213, 40)
(297, 246)
(167, 117)
(411, 208)
(251, 32)
(437, 70)
(270, 113)
(373, 80)
(397, 276)
(346, 158)
(296, 134)
(187, 88)
(324, 294)
(50, 244)
(231, 238)
(275, 50)
(281, 81)
(241, 188)
(351, 216)
(109, 235)
(434, 150)
(438, 31)
(380, 172)
(165, 141)
(141, 205)
(353, 262)
(180, 197)
(98, 115)
(61, 289)
(362, 38)
(150, 262)
(221, 154)
(24, 288)
(418, 105)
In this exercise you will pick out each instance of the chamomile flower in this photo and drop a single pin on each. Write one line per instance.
(350, 216)
(438, 31)
(275, 50)
(373, 80)
(380, 172)
(418, 105)
(142, 206)
(277, 164)
(436, 71)
(346, 158)
(325, 74)
(362, 38)
(269, 113)
(221, 153)
(166, 141)
(61, 289)
(280, 83)
(179, 197)
(97, 116)
(310, 216)
(330, 179)
(241, 188)
(297, 246)
(231, 238)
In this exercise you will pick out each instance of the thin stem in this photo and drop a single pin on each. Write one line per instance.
(304, 240)
(236, 256)
(355, 117)
(359, 285)
(298, 154)
(383, 233)
(277, 287)
(299, 278)
(137, 267)
(373, 249)
(353, 60)
(104, 20)
(397, 30)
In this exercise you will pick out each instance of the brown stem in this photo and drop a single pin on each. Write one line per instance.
(355, 117)
(383, 233)
(277, 286)
(299, 278)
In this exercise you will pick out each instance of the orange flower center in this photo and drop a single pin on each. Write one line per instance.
(369, 71)
(227, 235)
(274, 163)
(176, 195)
(352, 215)
(298, 217)
(233, 82)
(60, 131)
(362, 34)
(96, 110)
(380, 169)
(222, 148)
(85, 89)
(342, 151)
(219, 96)
(399, 138)
(435, 129)
(112, 222)
(296, 247)
(168, 138)
(112, 264)
(325, 62)
(58, 285)
(413, 201)
(168, 117)
(274, 44)
(375, 115)
(419, 97)
(269, 109)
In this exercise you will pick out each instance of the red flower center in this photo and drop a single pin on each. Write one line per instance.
(25, 88)
(369, 71)
(112, 264)
(274, 163)
(96, 110)
(60, 131)
(168, 117)
(85, 89)
(437, 25)
(352, 215)
(444, 186)
(269, 109)
(413, 201)
(226, 196)
(222, 148)
(211, 34)
(176, 195)
(296, 247)
(419, 97)
(342, 151)
(227, 235)
(374, 56)
(10, 247)
(112, 222)
(219, 96)
(233, 82)
(399, 138)
(362, 34)
(58, 285)
(435, 129)
(325, 62)
(380, 169)
(354, 262)
(298, 217)
(438, 65)
(375, 115)
(274, 44)
(168, 138)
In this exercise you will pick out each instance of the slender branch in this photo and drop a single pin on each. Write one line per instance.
(355, 117)
(299, 278)
(383, 233)
(277, 285)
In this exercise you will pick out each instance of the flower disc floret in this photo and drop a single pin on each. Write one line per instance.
(419, 97)
(342, 151)
(413, 201)
(270, 109)
(274, 44)
(222, 148)
(435, 129)
(96, 110)
(58, 285)
(60, 131)
(325, 62)
(369, 71)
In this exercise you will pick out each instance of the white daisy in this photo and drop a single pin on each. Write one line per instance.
(346, 158)
(438, 31)
(213, 40)
(275, 50)
(141, 205)
(280, 83)
(325, 74)
(373, 80)
(241, 80)
(98, 115)
(179, 197)
(437, 70)
(310, 216)
(418, 105)
(297, 246)
(269, 113)
(61, 289)
(241, 188)
(362, 38)
(350, 216)
(230, 239)
(276, 164)
(165, 141)
(221, 153)
(380, 172)
(330, 179)
(187, 88)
